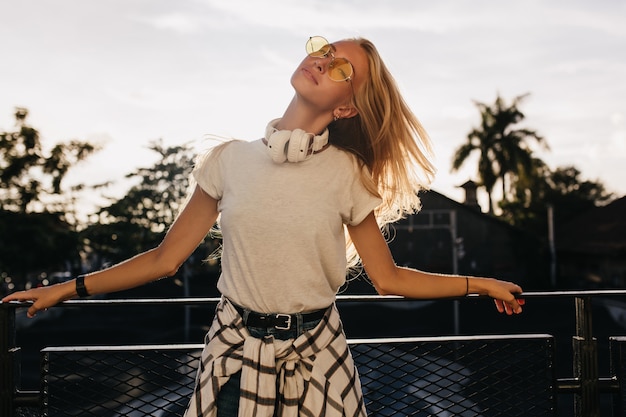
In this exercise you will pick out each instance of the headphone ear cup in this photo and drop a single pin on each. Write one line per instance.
(277, 144)
(298, 148)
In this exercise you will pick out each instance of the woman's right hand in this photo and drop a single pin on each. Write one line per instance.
(43, 297)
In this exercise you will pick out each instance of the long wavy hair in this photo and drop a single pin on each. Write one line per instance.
(389, 140)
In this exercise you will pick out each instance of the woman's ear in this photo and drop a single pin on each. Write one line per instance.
(345, 112)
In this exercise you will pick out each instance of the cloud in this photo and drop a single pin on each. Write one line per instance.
(178, 22)
(322, 16)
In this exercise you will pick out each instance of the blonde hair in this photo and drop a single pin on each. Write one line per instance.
(389, 140)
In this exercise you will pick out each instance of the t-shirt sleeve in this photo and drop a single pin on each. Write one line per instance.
(362, 201)
(208, 171)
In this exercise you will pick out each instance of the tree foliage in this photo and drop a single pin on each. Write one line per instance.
(36, 235)
(529, 186)
(138, 220)
(563, 189)
(32, 178)
(503, 151)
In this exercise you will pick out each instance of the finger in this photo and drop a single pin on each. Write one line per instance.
(506, 307)
(17, 296)
(511, 305)
(516, 307)
(33, 309)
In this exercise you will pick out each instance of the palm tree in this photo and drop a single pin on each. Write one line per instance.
(503, 151)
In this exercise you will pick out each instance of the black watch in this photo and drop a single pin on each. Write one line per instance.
(80, 286)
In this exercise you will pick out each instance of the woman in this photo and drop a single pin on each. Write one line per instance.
(347, 155)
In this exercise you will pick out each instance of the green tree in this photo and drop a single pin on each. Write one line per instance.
(31, 178)
(36, 234)
(503, 151)
(570, 195)
(563, 189)
(139, 220)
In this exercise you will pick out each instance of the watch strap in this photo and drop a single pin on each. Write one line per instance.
(80, 286)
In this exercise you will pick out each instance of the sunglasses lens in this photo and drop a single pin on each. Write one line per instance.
(317, 46)
(340, 69)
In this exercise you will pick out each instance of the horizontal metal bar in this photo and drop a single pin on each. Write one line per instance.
(573, 385)
(199, 346)
(444, 339)
(340, 298)
(27, 399)
(122, 348)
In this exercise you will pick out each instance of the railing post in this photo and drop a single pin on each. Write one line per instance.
(617, 348)
(585, 349)
(7, 366)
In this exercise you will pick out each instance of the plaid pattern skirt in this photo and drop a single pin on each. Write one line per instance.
(312, 375)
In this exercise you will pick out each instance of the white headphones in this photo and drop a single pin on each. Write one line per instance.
(292, 145)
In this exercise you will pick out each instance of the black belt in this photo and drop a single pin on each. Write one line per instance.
(278, 321)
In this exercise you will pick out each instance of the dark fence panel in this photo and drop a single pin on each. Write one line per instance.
(461, 376)
(485, 376)
(118, 381)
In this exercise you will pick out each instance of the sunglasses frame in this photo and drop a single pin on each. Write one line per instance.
(324, 51)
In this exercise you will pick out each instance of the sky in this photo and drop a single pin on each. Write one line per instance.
(123, 73)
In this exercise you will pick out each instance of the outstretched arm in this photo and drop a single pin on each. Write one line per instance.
(189, 229)
(389, 279)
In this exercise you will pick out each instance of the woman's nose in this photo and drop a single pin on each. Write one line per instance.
(321, 64)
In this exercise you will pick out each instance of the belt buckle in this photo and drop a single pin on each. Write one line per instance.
(287, 324)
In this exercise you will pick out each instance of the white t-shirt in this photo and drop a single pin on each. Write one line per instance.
(282, 224)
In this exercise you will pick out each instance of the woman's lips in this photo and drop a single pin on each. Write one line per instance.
(309, 75)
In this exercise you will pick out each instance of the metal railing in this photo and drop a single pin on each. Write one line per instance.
(459, 374)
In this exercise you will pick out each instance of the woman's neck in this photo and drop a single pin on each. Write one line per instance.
(299, 116)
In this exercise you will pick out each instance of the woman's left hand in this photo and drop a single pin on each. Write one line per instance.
(503, 294)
